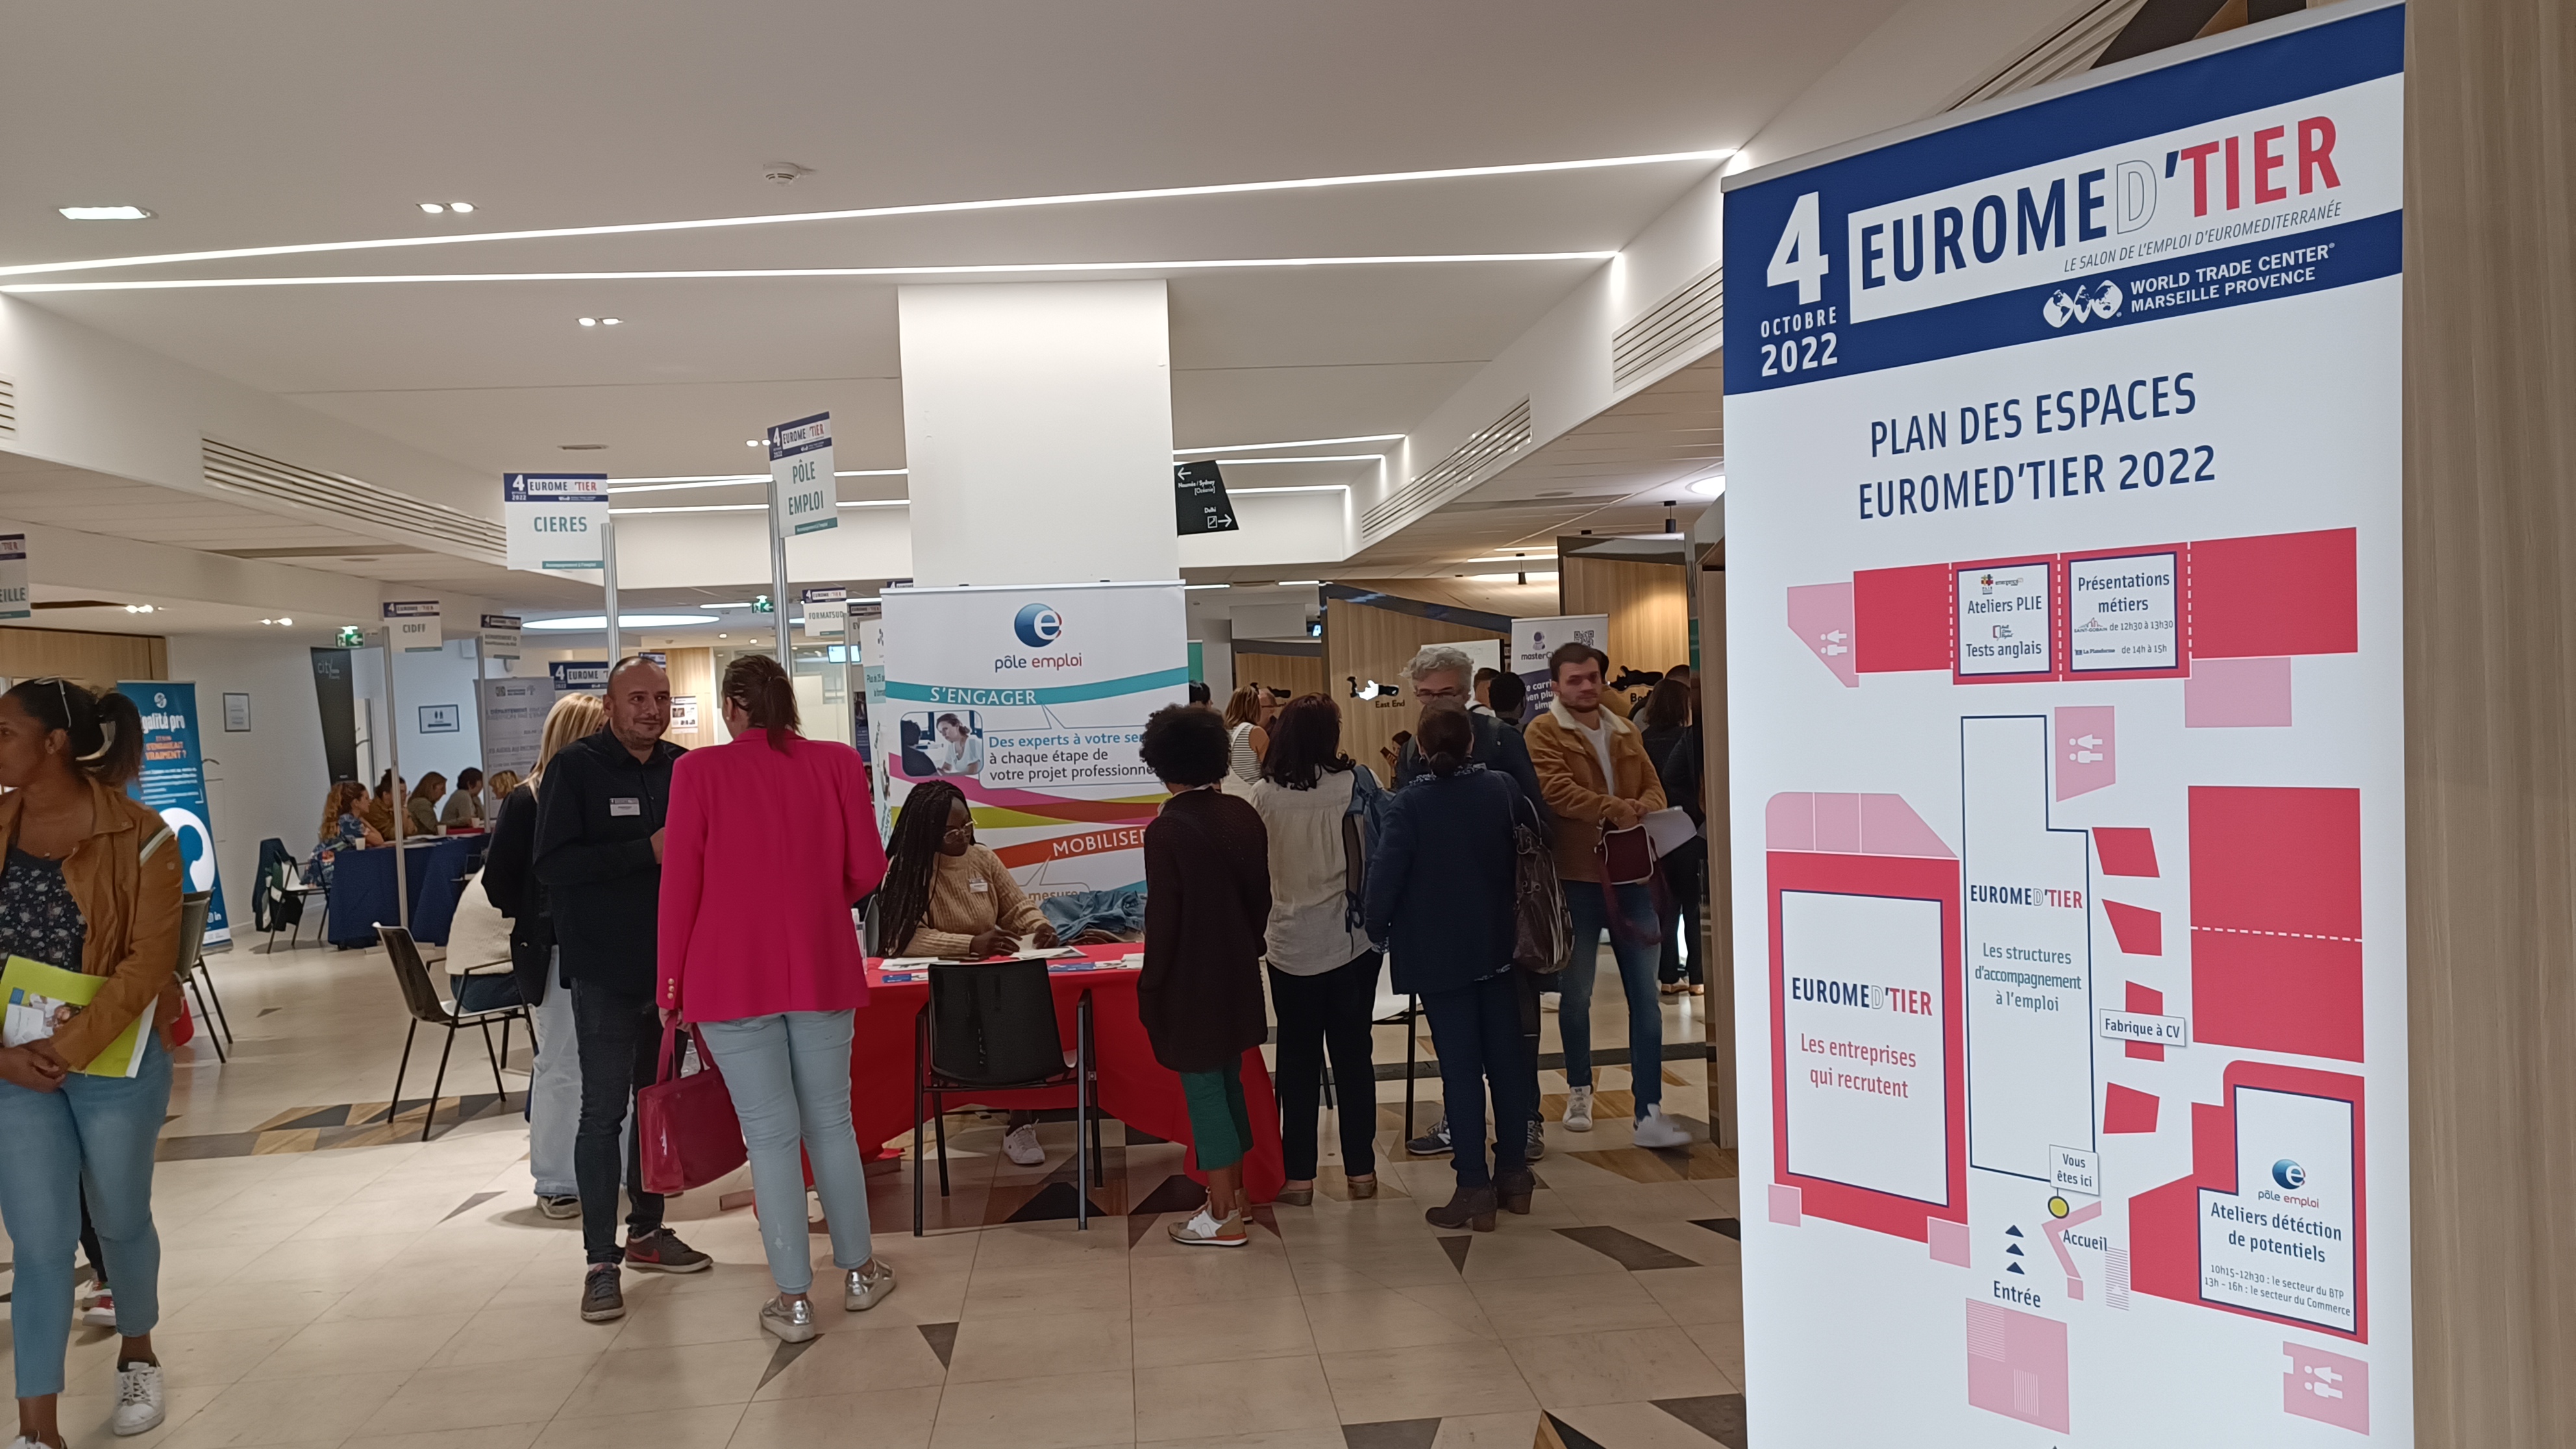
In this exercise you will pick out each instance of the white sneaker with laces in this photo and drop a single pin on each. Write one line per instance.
(1204, 1231)
(1021, 1146)
(139, 1403)
(1578, 1109)
(1654, 1129)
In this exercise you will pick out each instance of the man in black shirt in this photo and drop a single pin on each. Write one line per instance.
(599, 853)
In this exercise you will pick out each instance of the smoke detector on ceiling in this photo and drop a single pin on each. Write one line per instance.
(783, 173)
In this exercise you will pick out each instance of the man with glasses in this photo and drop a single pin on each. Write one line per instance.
(1443, 677)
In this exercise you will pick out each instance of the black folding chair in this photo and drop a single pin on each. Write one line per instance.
(990, 1026)
(422, 1000)
(194, 907)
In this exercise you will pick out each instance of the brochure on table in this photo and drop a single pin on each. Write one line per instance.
(1032, 700)
(2069, 835)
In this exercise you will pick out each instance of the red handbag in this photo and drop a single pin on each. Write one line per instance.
(688, 1135)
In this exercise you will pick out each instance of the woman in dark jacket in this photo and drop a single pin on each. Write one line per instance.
(1440, 897)
(1670, 725)
(554, 1084)
(1207, 902)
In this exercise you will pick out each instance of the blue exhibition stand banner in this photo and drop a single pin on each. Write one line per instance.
(174, 783)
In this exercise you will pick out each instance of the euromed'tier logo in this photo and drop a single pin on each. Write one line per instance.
(1038, 625)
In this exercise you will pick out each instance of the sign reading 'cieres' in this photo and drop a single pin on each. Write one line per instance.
(555, 521)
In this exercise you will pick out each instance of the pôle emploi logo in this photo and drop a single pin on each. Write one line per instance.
(1038, 626)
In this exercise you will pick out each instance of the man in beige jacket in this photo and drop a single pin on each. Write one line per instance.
(1593, 768)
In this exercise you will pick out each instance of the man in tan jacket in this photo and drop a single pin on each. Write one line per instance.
(1593, 768)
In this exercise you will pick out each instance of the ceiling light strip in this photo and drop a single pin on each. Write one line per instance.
(933, 208)
(753, 507)
(1300, 443)
(715, 274)
(1329, 458)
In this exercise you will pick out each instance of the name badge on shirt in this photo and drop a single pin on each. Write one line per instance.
(977, 885)
(625, 805)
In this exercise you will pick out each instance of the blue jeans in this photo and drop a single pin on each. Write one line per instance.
(790, 1079)
(1637, 961)
(1477, 1032)
(96, 1132)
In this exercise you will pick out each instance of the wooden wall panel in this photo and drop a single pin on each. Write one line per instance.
(2490, 692)
(92, 659)
(1296, 673)
(693, 673)
(1648, 605)
(1371, 643)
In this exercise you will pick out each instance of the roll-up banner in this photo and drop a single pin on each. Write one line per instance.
(2063, 626)
(14, 601)
(871, 646)
(512, 713)
(173, 782)
(554, 520)
(1535, 639)
(1032, 701)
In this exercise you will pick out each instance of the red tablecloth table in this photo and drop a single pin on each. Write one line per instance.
(1134, 1088)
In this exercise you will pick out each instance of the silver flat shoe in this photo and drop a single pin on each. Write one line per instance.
(869, 1286)
(792, 1323)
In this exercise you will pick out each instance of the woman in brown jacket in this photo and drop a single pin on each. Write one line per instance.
(1207, 903)
(92, 884)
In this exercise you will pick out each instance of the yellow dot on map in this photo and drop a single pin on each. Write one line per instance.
(2057, 1207)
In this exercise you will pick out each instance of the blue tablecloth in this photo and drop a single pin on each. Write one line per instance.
(362, 888)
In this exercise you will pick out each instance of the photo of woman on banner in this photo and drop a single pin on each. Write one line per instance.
(961, 747)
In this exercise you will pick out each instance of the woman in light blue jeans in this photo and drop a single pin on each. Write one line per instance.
(90, 884)
(770, 840)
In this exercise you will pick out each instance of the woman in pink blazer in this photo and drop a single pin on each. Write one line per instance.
(770, 840)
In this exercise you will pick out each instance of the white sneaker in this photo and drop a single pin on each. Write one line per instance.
(101, 1312)
(1021, 1146)
(1578, 1109)
(139, 1404)
(1657, 1130)
(1204, 1231)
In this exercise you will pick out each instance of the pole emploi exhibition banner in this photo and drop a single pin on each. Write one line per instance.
(2068, 824)
(554, 521)
(1032, 699)
(882, 733)
(173, 782)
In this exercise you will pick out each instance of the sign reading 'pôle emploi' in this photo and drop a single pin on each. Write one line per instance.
(800, 463)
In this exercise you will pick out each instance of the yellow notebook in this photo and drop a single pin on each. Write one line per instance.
(40, 998)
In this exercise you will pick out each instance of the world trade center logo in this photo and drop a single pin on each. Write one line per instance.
(2082, 303)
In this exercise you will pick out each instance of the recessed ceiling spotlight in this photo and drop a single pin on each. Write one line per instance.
(589, 321)
(753, 443)
(1709, 487)
(432, 207)
(611, 321)
(105, 213)
(460, 207)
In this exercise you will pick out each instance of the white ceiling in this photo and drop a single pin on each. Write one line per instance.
(276, 123)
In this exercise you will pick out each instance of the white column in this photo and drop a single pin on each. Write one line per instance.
(1038, 432)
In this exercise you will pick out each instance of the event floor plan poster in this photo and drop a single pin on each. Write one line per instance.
(2063, 558)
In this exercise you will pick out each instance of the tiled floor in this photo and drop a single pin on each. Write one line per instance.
(325, 1286)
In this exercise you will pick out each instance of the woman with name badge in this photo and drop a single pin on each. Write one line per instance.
(89, 922)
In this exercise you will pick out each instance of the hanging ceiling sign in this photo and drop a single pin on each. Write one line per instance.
(800, 462)
(412, 626)
(1199, 501)
(555, 521)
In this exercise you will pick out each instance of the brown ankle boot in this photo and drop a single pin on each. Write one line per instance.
(1472, 1207)
(1514, 1189)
